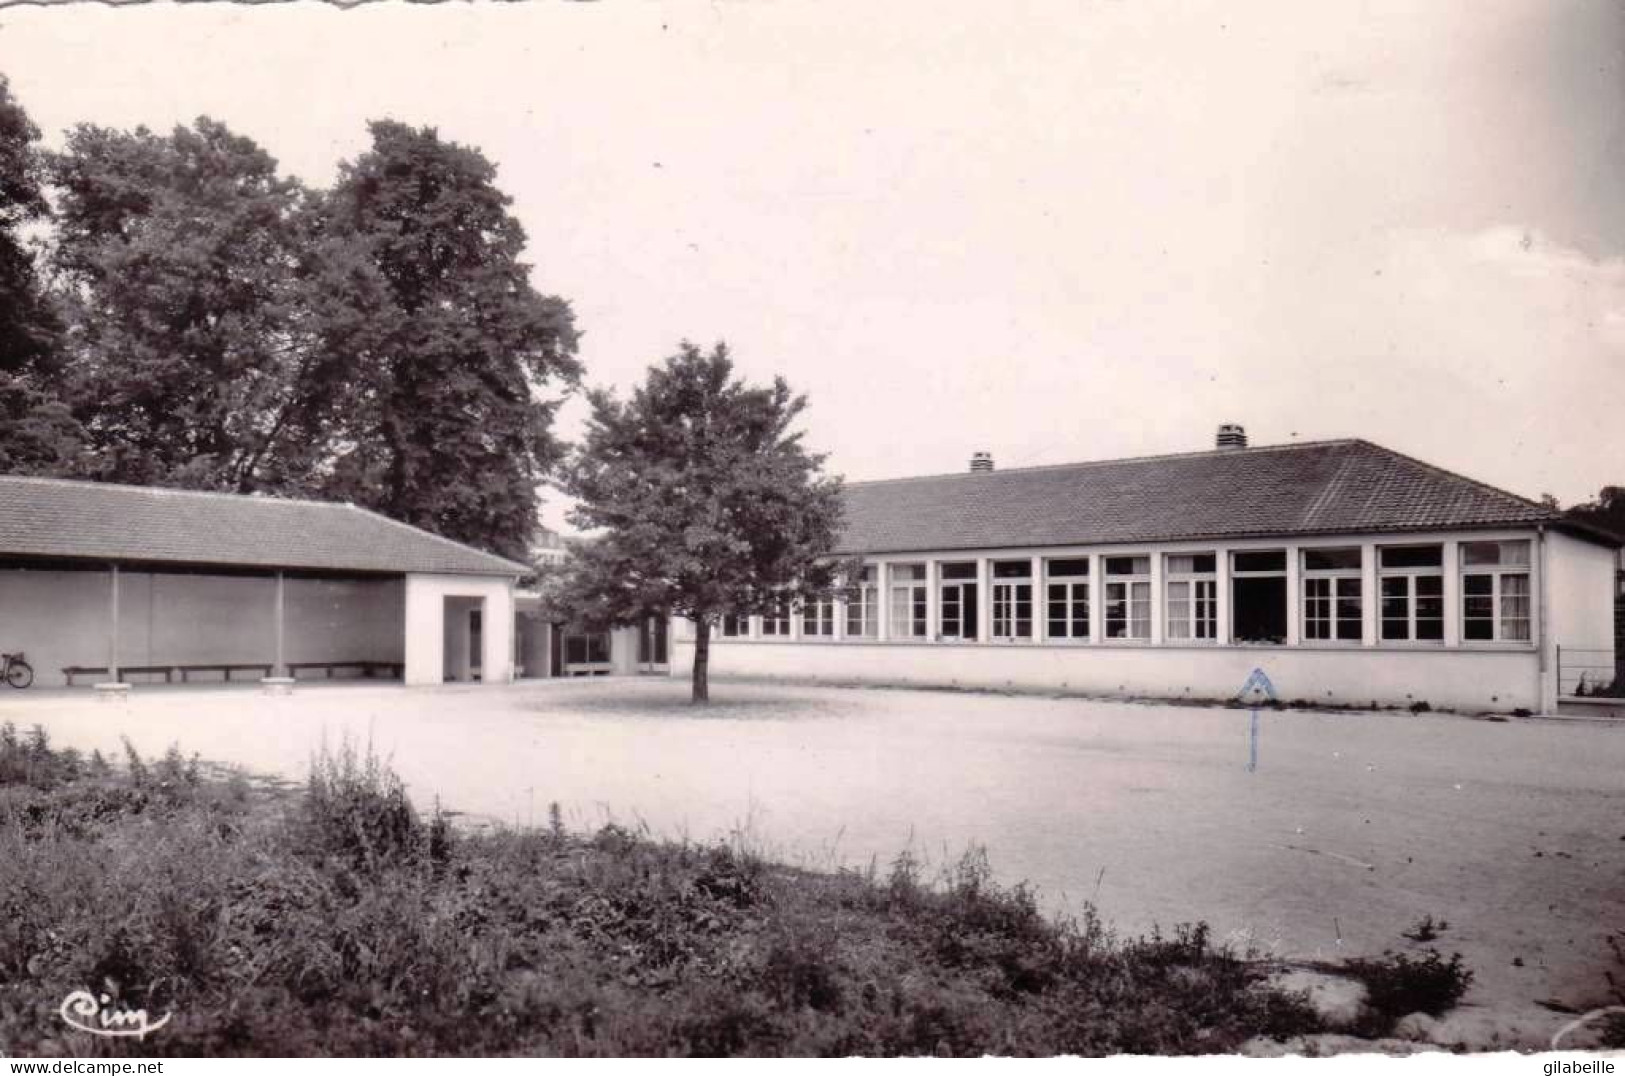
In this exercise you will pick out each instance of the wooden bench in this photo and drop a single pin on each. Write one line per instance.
(70, 671)
(225, 669)
(367, 668)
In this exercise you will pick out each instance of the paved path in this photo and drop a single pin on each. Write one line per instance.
(1353, 827)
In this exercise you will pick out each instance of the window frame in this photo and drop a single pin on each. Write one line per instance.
(1498, 573)
(818, 619)
(1336, 581)
(1006, 595)
(1410, 573)
(1070, 601)
(966, 613)
(1130, 584)
(914, 609)
(1192, 602)
(778, 624)
(867, 606)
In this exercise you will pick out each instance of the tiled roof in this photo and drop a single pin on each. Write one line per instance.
(1328, 487)
(43, 517)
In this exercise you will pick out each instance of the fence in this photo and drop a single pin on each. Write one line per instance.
(1585, 673)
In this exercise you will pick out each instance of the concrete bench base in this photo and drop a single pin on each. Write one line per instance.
(276, 685)
(110, 691)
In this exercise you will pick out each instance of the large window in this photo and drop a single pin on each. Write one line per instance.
(908, 601)
(1495, 591)
(1332, 595)
(956, 601)
(1258, 596)
(1192, 587)
(735, 626)
(862, 605)
(1012, 599)
(1411, 579)
(776, 621)
(1067, 583)
(818, 620)
(1128, 597)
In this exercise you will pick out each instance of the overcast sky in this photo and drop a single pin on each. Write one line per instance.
(1055, 231)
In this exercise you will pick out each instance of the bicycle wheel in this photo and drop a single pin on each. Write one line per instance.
(19, 674)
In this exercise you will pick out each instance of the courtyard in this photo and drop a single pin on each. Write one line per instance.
(1351, 829)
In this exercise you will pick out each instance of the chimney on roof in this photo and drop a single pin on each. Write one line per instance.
(1231, 436)
(981, 462)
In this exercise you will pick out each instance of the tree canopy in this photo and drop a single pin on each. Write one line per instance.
(1606, 511)
(205, 321)
(703, 502)
(436, 344)
(38, 434)
(178, 261)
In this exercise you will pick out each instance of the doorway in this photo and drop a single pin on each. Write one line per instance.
(464, 637)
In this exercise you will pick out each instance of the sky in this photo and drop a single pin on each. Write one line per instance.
(1053, 231)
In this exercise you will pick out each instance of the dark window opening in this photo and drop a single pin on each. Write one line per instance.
(1258, 610)
(1273, 560)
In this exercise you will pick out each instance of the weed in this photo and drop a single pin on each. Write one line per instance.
(1426, 929)
(1399, 985)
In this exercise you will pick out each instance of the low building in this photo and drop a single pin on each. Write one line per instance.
(1348, 572)
(111, 583)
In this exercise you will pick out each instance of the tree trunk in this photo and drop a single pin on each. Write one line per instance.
(702, 660)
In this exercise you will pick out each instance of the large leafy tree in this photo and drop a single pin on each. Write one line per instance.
(704, 500)
(440, 353)
(38, 434)
(181, 263)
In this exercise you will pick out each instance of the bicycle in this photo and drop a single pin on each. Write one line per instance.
(16, 672)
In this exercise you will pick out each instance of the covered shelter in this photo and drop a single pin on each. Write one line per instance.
(106, 583)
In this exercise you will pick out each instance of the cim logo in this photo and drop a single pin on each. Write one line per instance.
(84, 1011)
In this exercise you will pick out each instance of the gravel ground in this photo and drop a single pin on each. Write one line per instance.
(1353, 826)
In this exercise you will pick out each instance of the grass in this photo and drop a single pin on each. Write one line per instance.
(338, 920)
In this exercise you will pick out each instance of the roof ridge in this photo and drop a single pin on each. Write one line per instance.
(259, 497)
(1253, 450)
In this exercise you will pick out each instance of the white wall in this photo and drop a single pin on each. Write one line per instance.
(1580, 594)
(425, 625)
(61, 618)
(1462, 679)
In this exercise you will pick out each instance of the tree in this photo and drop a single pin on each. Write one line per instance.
(704, 500)
(1606, 512)
(38, 434)
(434, 344)
(182, 271)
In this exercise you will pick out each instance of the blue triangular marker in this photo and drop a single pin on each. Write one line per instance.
(1257, 682)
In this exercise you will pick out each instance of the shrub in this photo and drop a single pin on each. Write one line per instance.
(356, 809)
(343, 923)
(1399, 985)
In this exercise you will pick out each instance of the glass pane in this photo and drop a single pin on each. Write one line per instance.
(1059, 569)
(1273, 560)
(1128, 565)
(1012, 569)
(958, 571)
(1329, 560)
(1413, 556)
(1477, 553)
